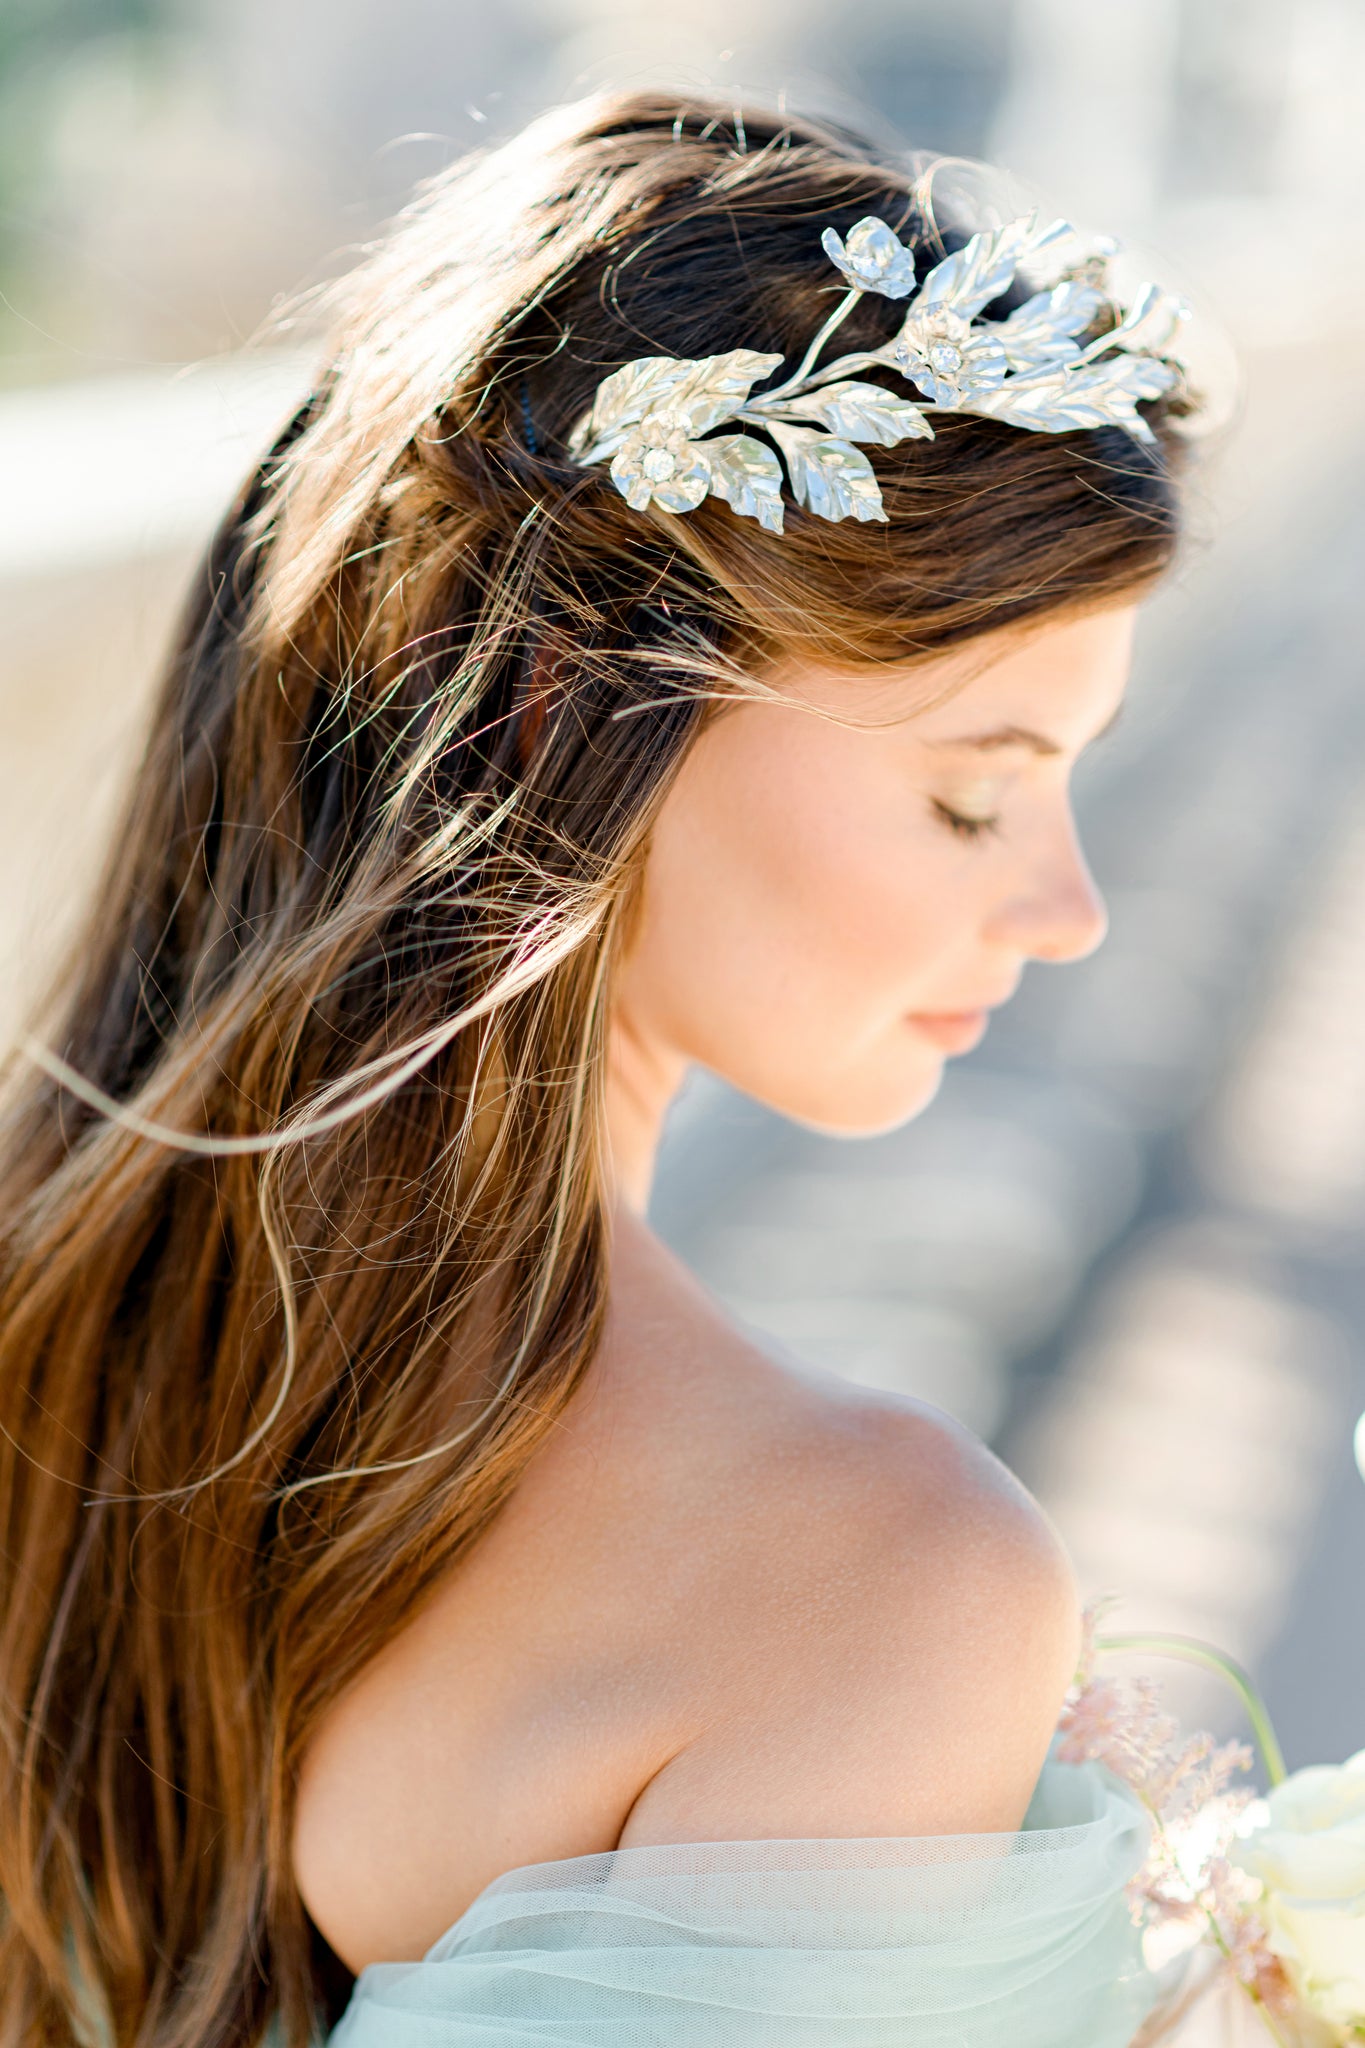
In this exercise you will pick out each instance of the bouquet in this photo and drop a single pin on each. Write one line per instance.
(1264, 1893)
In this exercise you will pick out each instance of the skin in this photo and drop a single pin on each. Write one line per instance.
(809, 904)
(731, 1599)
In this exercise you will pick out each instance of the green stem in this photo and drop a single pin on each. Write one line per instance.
(1267, 2017)
(1191, 1651)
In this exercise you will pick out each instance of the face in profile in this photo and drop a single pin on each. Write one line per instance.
(845, 881)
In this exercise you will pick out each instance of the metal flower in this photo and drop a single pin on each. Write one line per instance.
(874, 258)
(658, 465)
(947, 358)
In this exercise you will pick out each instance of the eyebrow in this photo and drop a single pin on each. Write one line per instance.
(1019, 736)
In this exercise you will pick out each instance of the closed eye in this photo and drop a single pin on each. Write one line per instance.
(963, 823)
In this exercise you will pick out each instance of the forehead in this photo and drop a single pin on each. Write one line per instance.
(1061, 677)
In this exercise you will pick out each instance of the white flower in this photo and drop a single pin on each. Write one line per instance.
(1309, 1853)
(949, 359)
(658, 464)
(874, 258)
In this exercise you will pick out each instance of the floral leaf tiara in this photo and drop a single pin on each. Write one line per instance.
(653, 419)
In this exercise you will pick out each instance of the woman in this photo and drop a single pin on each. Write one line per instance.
(385, 1511)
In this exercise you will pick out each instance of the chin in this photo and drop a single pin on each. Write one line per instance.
(865, 1107)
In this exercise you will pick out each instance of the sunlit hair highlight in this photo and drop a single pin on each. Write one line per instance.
(302, 1238)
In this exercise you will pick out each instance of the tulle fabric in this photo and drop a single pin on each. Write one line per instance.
(962, 1941)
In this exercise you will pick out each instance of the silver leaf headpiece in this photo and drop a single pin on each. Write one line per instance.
(654, 419)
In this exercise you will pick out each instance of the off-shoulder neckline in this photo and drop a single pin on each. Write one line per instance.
(880, 1848)
(643, 1850)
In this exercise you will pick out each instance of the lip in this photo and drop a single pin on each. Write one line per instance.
(952, 1031)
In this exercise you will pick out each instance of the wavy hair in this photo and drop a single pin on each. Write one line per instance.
(301, 1230)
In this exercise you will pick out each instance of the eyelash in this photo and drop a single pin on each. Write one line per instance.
(963, 826)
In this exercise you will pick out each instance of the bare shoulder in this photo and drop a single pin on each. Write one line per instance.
(727, 1600)
(954, 1526)
(971, 1583)
(814, 1475)
(898, 1627)
(890, 1620)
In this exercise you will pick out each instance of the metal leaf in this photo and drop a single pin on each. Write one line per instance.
(748, 476)
(976, 274)
(832, 477)
(1042, 330)
(863, 412)
(718, 386)
(1091, 395)
(1151, 322)
(701, 392)
(1038, 240)
(623, 399)
(985, 266)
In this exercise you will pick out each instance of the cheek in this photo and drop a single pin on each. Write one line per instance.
(798, 895)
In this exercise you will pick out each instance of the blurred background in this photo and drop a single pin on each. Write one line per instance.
(1125, 1243)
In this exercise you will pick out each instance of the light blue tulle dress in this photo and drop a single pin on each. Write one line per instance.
(959, 1941)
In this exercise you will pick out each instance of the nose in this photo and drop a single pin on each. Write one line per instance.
(1057, 913)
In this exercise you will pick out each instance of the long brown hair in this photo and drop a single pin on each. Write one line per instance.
(260, 1386)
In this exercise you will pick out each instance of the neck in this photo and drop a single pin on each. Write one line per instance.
(643, 1076)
